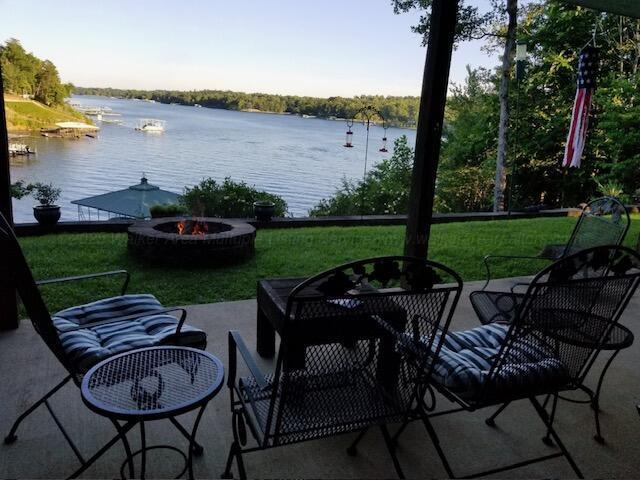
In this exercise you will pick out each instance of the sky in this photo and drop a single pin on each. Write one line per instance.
(299, 47)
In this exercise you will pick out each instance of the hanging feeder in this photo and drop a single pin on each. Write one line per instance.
(384, 141)
(349, 139)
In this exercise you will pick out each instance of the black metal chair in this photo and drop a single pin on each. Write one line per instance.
(337, 369)
(81, 336)
(566, 317)
(604, 221)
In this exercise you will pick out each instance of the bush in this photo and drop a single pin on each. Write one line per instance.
(465, 189)
(20, 189)
(228, 199)
(610, 188)
(385, 190)
(46, 193)
(167, 210)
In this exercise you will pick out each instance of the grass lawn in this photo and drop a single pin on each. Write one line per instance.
(32, 115)
(280, 253)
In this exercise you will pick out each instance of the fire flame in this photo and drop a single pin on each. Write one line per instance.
(192, 227)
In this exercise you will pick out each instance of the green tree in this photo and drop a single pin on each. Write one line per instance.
(24, 73)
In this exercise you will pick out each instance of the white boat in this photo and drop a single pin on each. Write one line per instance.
(150, 125)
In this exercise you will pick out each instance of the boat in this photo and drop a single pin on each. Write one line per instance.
(115, 121)
(150, 125)
(16, 149)
(197, 105)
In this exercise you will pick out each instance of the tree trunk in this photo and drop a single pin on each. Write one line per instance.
(507, 63)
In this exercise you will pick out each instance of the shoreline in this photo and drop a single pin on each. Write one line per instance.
(246, 110)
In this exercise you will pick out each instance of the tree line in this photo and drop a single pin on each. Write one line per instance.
(25, 74)
(397, 111)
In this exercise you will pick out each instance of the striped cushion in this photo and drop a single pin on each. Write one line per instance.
(108, 308)
(139, 328)
(466, 358)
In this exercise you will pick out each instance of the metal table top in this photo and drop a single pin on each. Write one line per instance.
(152, 383)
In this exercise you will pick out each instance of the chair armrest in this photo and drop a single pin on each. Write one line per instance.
(487, 267)
(236, 344)
(126, 274)
(181, 320)
(517, 285)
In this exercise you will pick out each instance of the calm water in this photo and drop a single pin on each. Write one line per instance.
(301, 159)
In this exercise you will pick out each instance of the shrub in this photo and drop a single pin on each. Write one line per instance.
(45, 193)
(613, 189)
(20, 189)
(465, 189)
(228, 199)
(385, 190)
(167, 210)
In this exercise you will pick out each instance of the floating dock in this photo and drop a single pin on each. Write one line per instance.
(71, 129)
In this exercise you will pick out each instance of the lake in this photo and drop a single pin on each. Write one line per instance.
(301, 159)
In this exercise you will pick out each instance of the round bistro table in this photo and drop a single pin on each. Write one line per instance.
(153, 384)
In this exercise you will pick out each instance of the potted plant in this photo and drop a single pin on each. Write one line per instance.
(264, 210)
(47, 213)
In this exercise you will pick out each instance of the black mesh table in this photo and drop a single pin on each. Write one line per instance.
(152, 384)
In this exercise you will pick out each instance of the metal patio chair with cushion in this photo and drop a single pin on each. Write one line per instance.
(337, 370)
(82, 336)
(567, 315)
(604, 221)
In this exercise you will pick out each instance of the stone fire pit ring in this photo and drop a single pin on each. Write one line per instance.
(225, 242)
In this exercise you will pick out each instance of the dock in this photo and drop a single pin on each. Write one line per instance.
(71, 129)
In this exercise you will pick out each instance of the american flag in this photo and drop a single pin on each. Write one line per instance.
(587, 72)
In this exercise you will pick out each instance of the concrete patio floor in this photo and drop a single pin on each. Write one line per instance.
(28, 370)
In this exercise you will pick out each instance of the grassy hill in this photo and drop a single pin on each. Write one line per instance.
(24, 115)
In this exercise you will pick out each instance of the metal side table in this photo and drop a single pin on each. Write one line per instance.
(153, 384)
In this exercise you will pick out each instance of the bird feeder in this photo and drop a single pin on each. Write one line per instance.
(349, 139)
(384, 141)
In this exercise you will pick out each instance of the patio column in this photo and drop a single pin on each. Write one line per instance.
(8, 301)
(430, 120)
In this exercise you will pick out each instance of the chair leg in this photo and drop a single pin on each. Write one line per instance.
(235, 452)
(392, 450)
(351, 449)
(436, 443)
(544, 416)
(491, 421)
(595, 399)
(547, 438)
(227, 470)
(12, 437)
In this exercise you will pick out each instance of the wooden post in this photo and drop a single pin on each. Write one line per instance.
(430, 119)
(8, 301)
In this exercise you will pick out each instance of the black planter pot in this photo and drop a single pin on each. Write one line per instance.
(47, 215)
(264, 210)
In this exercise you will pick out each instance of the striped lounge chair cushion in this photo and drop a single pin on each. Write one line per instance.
(466, 358)
(138, 327)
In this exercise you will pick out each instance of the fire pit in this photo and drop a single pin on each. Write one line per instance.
(190, 242)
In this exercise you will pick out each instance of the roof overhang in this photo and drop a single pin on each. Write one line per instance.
(627, 8)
